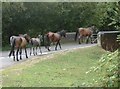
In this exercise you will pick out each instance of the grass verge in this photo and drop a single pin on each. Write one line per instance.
(60, 69)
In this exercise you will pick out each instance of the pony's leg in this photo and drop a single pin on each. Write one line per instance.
(56, 45)
(40, 49)
(79, 38)
(26, 52)
(10, 53)
(36, 50)
(48, 48)
(12, 48)
(33, 51)
(91, 39)
(17, 54)
(20, 53)
(13, 55)
(82, 39)
(87, 40)
(60, 45)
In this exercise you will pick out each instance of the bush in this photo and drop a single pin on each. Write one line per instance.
(108, 70)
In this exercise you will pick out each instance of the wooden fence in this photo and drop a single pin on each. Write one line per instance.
(108, 40)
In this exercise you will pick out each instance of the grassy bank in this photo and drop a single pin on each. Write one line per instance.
(60, 69)
(108, 70)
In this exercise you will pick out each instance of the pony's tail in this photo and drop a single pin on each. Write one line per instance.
(12, 47)
(76, 35)
(31, 42)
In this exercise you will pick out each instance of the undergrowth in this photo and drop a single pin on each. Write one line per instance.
(108, 69)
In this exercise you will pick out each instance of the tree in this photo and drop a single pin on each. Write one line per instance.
(39, 18)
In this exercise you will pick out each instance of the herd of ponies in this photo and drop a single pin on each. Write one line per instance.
(22, 40)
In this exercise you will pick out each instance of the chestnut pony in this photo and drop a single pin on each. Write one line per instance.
(55, 38)
(84, 32)
(19, 42)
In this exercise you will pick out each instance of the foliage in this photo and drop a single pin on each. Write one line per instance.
(115, 17)
(13, 21)
(111, 19)
(40, 17)
(108, 70)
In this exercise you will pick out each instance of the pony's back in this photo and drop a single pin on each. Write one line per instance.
(12, 38)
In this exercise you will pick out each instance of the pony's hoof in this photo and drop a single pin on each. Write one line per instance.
(17, 60)
(49, 50)
(20, 58)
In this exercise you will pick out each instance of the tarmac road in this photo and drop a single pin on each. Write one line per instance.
(5, 61)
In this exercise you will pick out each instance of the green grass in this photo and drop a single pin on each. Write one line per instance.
(62, 69)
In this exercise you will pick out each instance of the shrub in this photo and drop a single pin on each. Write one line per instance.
(108, 69)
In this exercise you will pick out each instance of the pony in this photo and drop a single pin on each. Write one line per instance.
(84, 32)
(36, 42)
(55, 38)
(19, 42)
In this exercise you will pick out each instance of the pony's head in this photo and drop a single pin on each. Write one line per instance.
(63, 33)
(27, 37)
(40, 37)
(94, 29)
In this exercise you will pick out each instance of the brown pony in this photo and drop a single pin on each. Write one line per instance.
(55, 38)
(84, 32)
(19, 42)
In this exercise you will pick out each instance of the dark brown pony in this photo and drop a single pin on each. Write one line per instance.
(84, 32)
(55, 38)
(19, 42)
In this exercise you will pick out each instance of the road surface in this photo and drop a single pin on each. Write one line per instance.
(5, 61)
